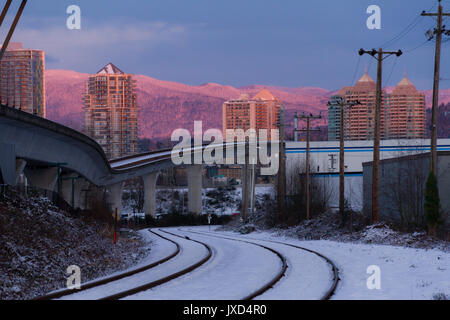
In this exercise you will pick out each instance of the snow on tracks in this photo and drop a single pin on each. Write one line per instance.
(311, 275)
(160, 270)
(239, 270)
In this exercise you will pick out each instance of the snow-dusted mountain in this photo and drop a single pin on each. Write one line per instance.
(166, 105)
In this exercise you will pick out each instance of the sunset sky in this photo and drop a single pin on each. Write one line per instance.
(284, 43)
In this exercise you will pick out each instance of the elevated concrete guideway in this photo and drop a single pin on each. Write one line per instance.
(41, 143)
(53, 156)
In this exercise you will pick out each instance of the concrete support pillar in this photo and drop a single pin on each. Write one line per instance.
(245, 191)
(248, 189)
(194, 173)
(150, 193)
(7, 163)
(20, 166)
(115, 198)
(43, 178)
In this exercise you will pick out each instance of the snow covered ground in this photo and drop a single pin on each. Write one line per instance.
(406, 273)
(191, 253)
(236, 269)
(38, 242)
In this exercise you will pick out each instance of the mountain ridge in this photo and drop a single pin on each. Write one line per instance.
(168, 105)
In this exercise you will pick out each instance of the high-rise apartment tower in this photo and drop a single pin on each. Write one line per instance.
(111, 115)
(403, 114)
(22, 79)
(259, 112)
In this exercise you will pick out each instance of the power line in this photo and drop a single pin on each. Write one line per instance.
(417, 47)
(392, 71)
(356, 70)
(403, 33)
(416, 21)
(370, 64)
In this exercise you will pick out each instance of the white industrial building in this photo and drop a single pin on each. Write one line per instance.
(324, 162)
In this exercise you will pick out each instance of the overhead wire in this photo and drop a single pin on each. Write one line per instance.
(416, 21)
(356, 70)
(392, 71)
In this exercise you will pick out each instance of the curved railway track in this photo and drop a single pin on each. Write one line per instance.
(96, 283)
(334, 269)
(168, 278)
(269, 284)
(190, 268)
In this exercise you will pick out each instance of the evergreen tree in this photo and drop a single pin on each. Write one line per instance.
(432, 204)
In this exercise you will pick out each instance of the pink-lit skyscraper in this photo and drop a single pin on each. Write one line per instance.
(111, 115)
(22, 79)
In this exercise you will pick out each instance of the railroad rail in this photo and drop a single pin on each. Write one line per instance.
(334, 269)
(168, 278)
(269, 284)
(96, 283)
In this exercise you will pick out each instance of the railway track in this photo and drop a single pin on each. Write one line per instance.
(168, 278)
(270, 283)
(335, 271)
(97, 283)
(146, 286)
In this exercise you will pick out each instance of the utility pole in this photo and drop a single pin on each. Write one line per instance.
(340, 101)
(437, 61)
(379, 55)
(245, 182)
(13, 26)
(281, 185)
(252, 190)
(308, 137)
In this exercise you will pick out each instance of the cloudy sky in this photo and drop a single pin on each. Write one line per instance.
(237, 42)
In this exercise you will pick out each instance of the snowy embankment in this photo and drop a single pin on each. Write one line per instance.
(405, 273)
(190, 253)
(38, 242)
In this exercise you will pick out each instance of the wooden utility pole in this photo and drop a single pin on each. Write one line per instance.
(308, 138)
(296, 127)
(437, 61)
(379, 55)
(13, 26)
(245, 182)
(340, 101)
(341, 163)
(281, 183)
(5, 11)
